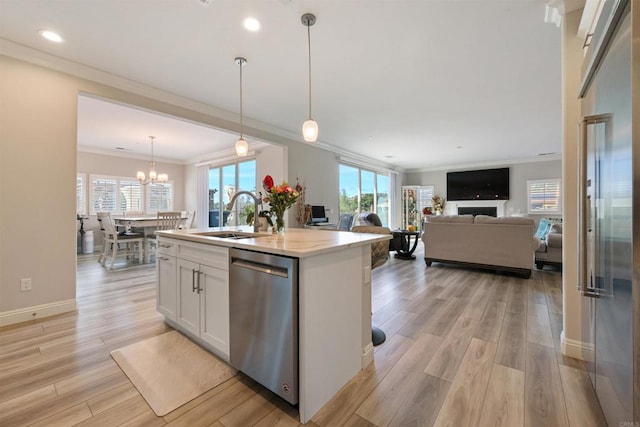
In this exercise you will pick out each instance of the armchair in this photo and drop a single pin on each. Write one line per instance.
(549, 250)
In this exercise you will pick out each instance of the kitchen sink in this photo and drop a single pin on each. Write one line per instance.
(229, 235)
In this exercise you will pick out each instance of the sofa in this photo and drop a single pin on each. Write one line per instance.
(503, 244)
(549, 250)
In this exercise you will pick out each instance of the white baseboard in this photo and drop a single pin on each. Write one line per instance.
(36, 312)
(574, 348)
(367, 355)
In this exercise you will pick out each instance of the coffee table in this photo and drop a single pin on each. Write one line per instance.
(405, 243)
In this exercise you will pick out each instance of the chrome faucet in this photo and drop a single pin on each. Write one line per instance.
(256, 225)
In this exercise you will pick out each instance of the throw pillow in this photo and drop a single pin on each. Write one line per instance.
(543, 228)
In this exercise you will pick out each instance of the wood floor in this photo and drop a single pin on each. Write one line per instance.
(464, 348)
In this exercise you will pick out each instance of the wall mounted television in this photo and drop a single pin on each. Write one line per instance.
(486, 184)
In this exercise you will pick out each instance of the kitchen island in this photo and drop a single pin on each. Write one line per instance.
(334, 298)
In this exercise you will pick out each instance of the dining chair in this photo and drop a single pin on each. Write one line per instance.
(113, 239)
(106, 245)
(132, 214)
(165, 221)
(191, 218)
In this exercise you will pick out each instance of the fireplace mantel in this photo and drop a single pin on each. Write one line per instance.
(452, 207)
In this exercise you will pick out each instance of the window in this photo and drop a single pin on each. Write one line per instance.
(363, 190)
(81, 206)
(103, 194)
(543, 196)
(124, 194)
(231, 178)
(130, 195)
(160, 197)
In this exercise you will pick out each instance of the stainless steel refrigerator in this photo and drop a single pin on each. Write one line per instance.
(608, 216)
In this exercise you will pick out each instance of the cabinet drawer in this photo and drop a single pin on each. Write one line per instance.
(213, 256)
(167, 246)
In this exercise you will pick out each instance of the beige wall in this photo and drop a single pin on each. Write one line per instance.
(318, 169)
(37, 174)
(519, 174)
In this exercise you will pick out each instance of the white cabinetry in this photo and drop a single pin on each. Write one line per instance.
(166, 295)
(201, 286)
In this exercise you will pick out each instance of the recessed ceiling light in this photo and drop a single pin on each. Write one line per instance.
(51, 35)
(251, 24)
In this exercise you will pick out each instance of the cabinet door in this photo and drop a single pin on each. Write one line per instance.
(214, 306)
(167, 291)
(188, 308)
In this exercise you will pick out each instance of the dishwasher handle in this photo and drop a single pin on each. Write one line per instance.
(260, 268)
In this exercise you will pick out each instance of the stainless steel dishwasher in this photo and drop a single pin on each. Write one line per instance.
(263, 315)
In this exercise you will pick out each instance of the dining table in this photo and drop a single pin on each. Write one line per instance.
(145, 224)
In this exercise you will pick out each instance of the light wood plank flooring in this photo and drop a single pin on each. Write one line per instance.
(464, 347)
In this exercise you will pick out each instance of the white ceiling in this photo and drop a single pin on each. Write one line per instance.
(417, 84)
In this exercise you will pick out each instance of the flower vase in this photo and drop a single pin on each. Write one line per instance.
(279, 225)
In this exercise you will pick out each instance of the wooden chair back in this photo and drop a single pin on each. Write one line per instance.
(191, 218)
(106, 224)
(169, 220)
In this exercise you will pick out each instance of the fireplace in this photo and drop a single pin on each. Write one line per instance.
(477, 207)
(478, 210)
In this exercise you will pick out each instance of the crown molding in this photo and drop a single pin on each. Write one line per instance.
(127, 155)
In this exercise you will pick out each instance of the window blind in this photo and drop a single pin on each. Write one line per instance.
(160, 197)
(544, 196)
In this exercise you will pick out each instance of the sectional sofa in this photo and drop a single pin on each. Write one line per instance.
(504, 244)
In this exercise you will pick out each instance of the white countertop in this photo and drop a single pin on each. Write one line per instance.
(294, 242)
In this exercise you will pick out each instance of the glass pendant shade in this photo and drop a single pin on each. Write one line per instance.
(163, 177)
(242, 148)
(310, 130)
(153, 175)
(140, 176)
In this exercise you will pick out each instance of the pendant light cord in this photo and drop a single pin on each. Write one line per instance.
(241, 114)
(309, 46)
(153, 163)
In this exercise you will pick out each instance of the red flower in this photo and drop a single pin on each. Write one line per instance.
(267, 183)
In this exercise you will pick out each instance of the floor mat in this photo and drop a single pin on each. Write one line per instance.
(169, 370)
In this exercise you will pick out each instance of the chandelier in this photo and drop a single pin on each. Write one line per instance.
(153, 175)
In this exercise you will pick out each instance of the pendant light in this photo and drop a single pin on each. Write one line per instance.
(309, 127)
(153, 175)
(242, 148)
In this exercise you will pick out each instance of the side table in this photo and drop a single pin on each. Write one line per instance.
(402, 242)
